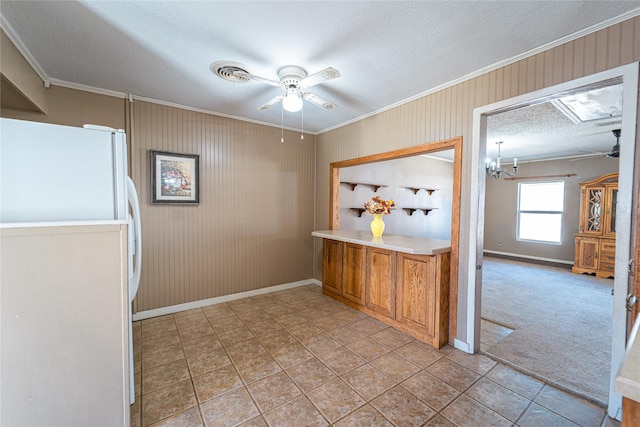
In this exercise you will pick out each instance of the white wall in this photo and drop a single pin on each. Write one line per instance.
(418, 172)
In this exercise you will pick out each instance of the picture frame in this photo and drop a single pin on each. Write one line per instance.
(175, 178)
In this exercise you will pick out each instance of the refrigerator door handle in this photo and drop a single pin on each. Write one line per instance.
(134, 281)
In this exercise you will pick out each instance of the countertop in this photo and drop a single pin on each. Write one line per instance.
(393, 242)
(628, 379)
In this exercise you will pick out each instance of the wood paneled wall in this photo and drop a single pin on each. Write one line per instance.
(449, 113)
(252, 228)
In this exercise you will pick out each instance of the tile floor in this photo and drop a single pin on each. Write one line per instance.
(299, 358)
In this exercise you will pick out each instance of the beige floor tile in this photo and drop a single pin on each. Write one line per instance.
(368, 325)
(367, 348)
(200, 363)
(476, 362)
(466, 412)
(227, 322)
(320, 343)
(574, 409)
(395, 366)
(392, 338)
(159, 340)
(255, 422)
(431, 390)
(164, 375)
(368, 382)
(310, 374)
(440, 421)
(162, 355)
(188, 418)
(196, 330)
(335, 399)
(235, 335)
(418, 354)
(518, 382)
(245, 349)
(351, 371)
(195, 319)
(291, 355)
(453, 374)
(403, 408)
(254, 368)
(499, 399)
(161, 325)
(536, 416)
(273, 391)
(341, 360)
(345, 334)
(365, 416)
(298, 412)
(217, 311)
(167, 401)
(215, 383)
(202, 344)
(229, 409)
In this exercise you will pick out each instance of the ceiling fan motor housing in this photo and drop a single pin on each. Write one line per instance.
(291, 76)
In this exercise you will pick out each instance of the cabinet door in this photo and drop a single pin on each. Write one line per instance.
(592, 210)
(610, 205)
(354, 272)
(380, 292)
(587, 252)
(416, 292)
(332, 266)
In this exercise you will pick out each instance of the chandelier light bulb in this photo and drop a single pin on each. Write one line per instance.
(292, 102)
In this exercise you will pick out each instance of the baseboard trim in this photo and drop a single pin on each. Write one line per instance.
(537, 260)
(461, 345)
(148, 314)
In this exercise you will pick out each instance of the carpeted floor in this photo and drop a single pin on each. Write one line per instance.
(561, 324)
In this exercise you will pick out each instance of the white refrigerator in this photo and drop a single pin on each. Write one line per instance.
(70, 259)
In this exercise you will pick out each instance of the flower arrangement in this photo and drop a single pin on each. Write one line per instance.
(378, 205)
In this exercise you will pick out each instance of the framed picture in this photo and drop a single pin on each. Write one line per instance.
(175, 178)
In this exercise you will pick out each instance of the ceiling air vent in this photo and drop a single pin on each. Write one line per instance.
(227, 70)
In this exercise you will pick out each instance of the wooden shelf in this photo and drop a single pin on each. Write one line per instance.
(410, 211)
(353, 185)
(359, 211)
(416, 189)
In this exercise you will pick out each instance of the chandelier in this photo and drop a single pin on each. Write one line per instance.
(494, 169)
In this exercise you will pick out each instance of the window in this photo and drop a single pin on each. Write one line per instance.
(540, 207)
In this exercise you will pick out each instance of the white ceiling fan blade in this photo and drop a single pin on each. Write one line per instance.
(319, 101)
(319, 77)
(250, 76)
(271, 102)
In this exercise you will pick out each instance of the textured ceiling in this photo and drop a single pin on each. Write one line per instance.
(387, 52)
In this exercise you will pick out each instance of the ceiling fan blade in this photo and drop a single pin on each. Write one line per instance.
(271, 102)
(319, 101)
(250, 76)
(319, 77)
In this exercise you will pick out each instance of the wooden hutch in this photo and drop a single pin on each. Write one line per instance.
(596, 238)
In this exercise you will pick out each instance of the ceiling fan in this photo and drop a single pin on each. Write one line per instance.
(614, 153)
(292, 80)
(615, 150)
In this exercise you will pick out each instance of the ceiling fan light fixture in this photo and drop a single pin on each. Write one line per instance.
(292, 102)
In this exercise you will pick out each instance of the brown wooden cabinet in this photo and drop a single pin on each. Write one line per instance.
(354, 273)
(381, 281)
(332, 267)
(596, 239)
(408, 292)
(423, 295)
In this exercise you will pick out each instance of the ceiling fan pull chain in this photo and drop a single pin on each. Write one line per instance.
(282, 125)
(302, 124)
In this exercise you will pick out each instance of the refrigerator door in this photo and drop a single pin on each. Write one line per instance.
(61, 173)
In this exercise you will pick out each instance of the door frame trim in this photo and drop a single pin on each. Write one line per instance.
(474, 240)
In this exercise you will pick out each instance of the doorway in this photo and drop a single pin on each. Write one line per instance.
(474, 240)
